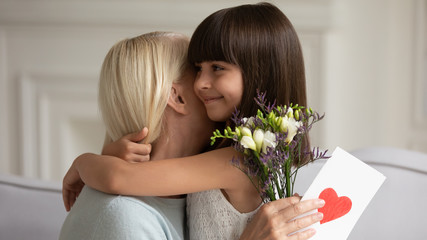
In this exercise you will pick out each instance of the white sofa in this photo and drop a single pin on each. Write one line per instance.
(30, 209)
(33, 209)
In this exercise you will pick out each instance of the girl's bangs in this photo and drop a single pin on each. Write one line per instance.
(207, 43)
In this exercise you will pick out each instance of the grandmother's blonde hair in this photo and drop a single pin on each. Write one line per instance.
(136, 80)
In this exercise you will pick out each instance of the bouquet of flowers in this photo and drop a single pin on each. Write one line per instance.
(274, 144)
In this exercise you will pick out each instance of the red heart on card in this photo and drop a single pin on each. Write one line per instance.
(335, 207)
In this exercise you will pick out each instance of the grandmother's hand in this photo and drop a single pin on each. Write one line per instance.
(275, 220)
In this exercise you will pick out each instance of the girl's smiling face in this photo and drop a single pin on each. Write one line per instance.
(220, 87)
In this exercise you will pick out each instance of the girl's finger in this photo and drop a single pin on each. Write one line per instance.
(303, 235)
(301, 223)
(140, 158)
(301, 207)
(73, 200)
(65, 200)
(141, 149)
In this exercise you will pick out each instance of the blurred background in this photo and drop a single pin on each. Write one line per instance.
(365, 63)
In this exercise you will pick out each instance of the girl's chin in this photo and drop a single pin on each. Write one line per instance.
(218, 116)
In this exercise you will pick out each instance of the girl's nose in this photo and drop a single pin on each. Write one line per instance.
(203, 80)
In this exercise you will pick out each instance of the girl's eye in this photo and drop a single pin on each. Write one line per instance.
(217, 68)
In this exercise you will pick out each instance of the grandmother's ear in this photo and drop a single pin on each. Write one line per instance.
(176, 100)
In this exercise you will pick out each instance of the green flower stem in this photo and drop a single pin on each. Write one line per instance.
(270, 192)
(288, 177)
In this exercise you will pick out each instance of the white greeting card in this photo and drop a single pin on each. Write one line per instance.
(347, 185)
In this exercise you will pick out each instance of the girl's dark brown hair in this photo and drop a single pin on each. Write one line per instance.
(261, 40)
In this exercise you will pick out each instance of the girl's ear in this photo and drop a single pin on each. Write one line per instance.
(177, 101)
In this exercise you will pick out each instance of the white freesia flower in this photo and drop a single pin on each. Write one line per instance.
(290, 125)
(258, 138)
(269, 141)
(246, 132)
(292, 130)
(284, 124)
(248, 142)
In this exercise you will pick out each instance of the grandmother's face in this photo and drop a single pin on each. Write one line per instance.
(202, 125)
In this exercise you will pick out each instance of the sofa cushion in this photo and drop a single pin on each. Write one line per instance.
(30, 209)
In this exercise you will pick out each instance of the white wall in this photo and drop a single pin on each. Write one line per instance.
(364, 63)
(374, 56)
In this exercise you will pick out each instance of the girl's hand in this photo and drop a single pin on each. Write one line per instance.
(72, 185)
(129, 147)
(274, 220)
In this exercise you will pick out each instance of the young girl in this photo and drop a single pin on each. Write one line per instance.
(236, 51)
